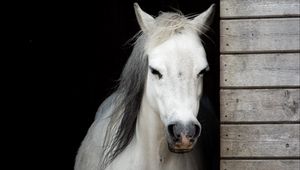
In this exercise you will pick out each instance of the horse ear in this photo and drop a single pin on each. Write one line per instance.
(145, 20)
(203, 20)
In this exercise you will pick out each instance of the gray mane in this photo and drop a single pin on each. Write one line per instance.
(127, 100)
(128, 96)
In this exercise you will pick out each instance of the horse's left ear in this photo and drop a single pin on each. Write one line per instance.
(203, 20)
(145, 20)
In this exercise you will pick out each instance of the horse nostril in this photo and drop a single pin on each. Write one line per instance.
(193, 130)
(171, 130)
(197, 130)
(175, 131)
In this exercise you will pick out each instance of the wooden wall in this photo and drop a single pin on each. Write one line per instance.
(260, 84)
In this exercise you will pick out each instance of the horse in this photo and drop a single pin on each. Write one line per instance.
(150, 121)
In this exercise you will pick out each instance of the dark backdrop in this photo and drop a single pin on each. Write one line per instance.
(72, 56)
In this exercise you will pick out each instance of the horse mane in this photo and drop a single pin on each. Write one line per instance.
(128, 96)
(127, 100)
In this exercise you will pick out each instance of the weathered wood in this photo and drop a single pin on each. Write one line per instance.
(259, 35)
(259, 8)
(260, 105)
(260, 165)
(268, 140)
(260, 70)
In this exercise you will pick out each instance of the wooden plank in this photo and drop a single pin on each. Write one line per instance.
(260, 70)
(259, 8)
(259, 141)
(260, 165)
(260, 105)
(259, 35)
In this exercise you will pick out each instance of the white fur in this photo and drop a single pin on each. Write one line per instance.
(174, 97)
(179, 60)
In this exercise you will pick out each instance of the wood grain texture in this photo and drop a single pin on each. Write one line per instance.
(267, 140)
(259, 8)
(260, 165)
(260, 47)
(260, 105)
(259, 35)
(260, 70)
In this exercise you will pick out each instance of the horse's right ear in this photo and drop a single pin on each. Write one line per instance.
(145, 20)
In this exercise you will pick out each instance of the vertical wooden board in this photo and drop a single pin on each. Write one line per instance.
(259, 35)
(259, 8)
(259, 141)
(260, 165)
(260, 70)
(260, 105)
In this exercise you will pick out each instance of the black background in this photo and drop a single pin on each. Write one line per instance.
(71, 56)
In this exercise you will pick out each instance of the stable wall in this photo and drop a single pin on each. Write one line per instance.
(260, 84)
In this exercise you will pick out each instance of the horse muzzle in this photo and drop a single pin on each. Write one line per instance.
(182, 137)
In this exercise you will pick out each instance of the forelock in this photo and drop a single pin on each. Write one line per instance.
(168, 24)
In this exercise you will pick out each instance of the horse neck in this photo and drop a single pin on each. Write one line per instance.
(150, 132)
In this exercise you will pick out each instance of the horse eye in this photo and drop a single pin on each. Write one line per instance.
(156, 72)
(202, 72)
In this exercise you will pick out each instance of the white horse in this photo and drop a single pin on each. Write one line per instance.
(150, 122)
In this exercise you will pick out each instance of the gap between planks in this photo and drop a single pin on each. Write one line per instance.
(259, 122)
(259, 17)
(261, 158)
(260, 52)
(257, 87)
